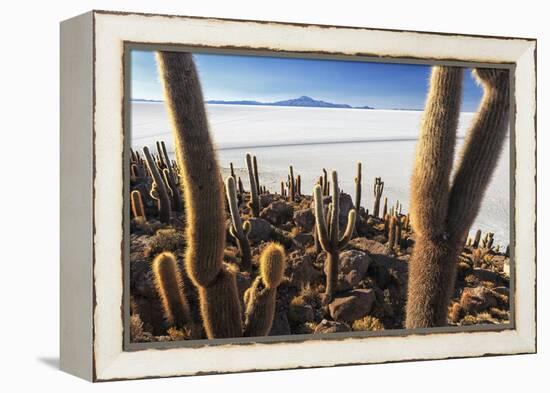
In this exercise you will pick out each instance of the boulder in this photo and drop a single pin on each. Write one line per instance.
(352, 268)
(260, 230)
(352, 305)
(368, 245)
(304, 219)
(301, 271)
(326, 326)
(277, 212)
(304, 239)
(478, 299)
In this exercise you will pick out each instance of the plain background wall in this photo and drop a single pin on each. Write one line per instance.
(29, 129)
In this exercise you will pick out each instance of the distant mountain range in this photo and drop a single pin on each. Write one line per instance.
(303, 101)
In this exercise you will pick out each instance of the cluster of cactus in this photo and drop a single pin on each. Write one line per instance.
(442, 210)
(324, 183)
(486, 242)
(328, 233)
(205, 228)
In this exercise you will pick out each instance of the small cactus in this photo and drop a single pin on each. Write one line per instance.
(329, 233)
(358, 188)
(237, 229)
(292, 184)
(137, 205)
(159, 186)
(254, 199)
(260, 298)
(169, 285)
(378, 189)
(256, 174)
(477, 238)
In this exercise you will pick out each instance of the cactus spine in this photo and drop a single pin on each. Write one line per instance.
(443, 212)
(261, 296)
(159, 186)
(204, 200)
(254, 199)
(237, 229)
(169, 285)
(378, 189)
(137, 205)
(329, 233)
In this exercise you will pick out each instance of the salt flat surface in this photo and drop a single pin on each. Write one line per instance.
(314, 138)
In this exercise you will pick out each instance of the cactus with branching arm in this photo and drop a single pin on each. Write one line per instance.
(443, 211)
(329, 233)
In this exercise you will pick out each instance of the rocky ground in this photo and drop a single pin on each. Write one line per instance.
(372, 280)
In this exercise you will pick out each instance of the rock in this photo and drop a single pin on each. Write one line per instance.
(277, 212)
(368, 245)
(352, 305)
(266, 199)
(305, 219)
(326, 326)
(280, 326)
(478, 299)
(502, 290)
(352, 269)
(301, 271)
(300, 312)
(304, 239)
(260, 230)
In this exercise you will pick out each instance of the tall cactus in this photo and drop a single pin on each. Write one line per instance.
(204, 200)
(329, 233)
(260, 297)
(358, 188)
(378, 189)
(441, 211)
(256, 175)
(254, 199)
(291, 184)
(164, 204)
(237, 229)
(169, 285)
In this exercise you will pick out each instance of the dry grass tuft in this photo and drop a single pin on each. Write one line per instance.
(368, 323)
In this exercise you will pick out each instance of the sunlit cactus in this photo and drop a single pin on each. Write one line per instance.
(443, 211)
(260, 298)
(254, 199)
(329, 233)
(163, 198)
(137, 205)
(378, 189)
(169, 285)
(237, 229)
(204, 199)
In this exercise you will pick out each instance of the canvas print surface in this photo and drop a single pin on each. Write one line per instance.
(282, 196)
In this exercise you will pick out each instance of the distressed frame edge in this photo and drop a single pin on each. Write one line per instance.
(529, 344)
(76, 207)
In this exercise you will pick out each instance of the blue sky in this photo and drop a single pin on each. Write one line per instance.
(268, 79)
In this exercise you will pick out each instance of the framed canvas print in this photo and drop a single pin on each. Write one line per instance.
(248, 195)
